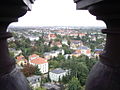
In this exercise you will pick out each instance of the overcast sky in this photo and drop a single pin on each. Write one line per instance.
(57, 13)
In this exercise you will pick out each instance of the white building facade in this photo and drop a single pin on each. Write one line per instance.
(57, 74)
(40, 62)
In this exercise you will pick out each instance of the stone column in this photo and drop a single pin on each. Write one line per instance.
(10, 77)
(105, 75)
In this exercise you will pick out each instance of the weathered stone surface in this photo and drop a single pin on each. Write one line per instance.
(83, 4)
(13, 81)
(13, 3)
(10, 77)
(103, 77)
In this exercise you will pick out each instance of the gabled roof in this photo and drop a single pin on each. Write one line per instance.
(76, 41)
(51, 86)
(33, 79)
(98, 50)
(77, 51)
(83, 47)
(21, 58)
(38, 60)
(33, 55)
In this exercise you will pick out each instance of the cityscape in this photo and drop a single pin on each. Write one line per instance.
(56, 57)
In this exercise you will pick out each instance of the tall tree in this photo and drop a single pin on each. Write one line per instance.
(37, 71)
(28, 70)
(74, 84)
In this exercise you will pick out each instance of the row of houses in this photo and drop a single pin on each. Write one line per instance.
(52, 54)
(52, 36)
(35, 60)
(34, 81)
(82, 50)
(54, 75)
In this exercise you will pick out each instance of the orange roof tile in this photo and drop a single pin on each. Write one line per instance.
(39, 61)
(52, 35)
(20, 57)
(78, 51)
(33, 55)
(88, 51)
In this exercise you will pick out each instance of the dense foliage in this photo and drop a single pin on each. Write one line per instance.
(78, 67)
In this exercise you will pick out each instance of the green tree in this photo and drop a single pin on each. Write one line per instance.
(60, 58)
(48, 77)
(74, 84)
(90, 62)
(66, 49)
(40, 88)
(28, 70)
(54, 64)
(59, 80)
(55, 47)
(37, 71)
(65, 79)
(82, 72)
(11, 54)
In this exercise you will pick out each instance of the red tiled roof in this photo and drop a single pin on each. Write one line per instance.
(88, 51)
(39, 61)
(52, 35)
(82, 34)
(78, 51)
(21, 58)
(33, 55)
(58, 43)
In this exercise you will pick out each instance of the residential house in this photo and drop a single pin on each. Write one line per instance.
(32, 43)
(51, 86)
(16, 52)
(32, 38)
(74, 44)
(97, 52)
(42, 63)
(84, 50)
(47, 55)
(52, 36)
(52, 54)
(67, 56)
(34, 81)
(20, 60)
(77, 53)
(65, 42)
(81, 34)
(60, 51)
(33, 56)
(46, 42)
(58, 44)
(73, 34)
(57, 74)
(11, 39)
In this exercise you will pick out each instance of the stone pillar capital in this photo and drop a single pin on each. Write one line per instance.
(105, 74)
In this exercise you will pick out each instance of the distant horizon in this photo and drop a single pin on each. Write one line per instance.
(57, 13)
(55, 26)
